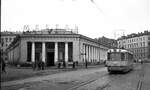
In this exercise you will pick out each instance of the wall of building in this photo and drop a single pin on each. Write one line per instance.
(76, 51)
(6, 40)
(23, 49)
(95, 52)
(13, 54)
(138, 45)
(54, 38)
(103, 55)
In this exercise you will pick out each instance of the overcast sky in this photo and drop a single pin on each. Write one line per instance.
(94, 18)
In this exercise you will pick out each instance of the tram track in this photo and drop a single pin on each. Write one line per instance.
(141, 77)
(104, 86)
(135, 85)
(76, 87)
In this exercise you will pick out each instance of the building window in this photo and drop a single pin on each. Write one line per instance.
(2, 39)
(148, 43)
(29, 47)
(6, 39)
(143, 38)
(10, 39)
(2, 43)
(148, 38)
(143, 44)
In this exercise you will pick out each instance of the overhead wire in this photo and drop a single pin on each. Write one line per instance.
(92, 1)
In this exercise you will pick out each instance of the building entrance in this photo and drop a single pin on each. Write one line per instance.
(50, 54)
(50, 59)
(37, 56)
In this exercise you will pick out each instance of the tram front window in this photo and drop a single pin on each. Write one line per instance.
(122, 56)
(114, 56)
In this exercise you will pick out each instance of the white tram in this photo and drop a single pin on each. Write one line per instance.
(119, 60)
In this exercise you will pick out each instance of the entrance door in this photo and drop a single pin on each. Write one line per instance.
(37, 56)
(50, 58)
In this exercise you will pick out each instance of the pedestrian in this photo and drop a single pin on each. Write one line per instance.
(39, 65)
(77, 63)
(86, 63)
(73, 65)
(59, 64)
(33, 65)
(64, 64)
(3, 65)
(42, 65)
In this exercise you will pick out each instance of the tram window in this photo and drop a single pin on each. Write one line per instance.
(115, 56)
(122, 56)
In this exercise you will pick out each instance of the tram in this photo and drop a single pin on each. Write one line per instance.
(119, 60)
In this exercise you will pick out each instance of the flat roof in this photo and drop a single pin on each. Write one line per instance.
(119, 50)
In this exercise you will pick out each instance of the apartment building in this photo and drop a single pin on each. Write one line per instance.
(139, 44)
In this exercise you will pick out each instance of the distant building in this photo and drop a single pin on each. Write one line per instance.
(110, 43)
(139, 44)
(6, 39)
(55, 45)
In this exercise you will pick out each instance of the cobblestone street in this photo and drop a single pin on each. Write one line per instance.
(86, 79)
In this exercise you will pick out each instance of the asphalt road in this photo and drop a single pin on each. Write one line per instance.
(87, 79)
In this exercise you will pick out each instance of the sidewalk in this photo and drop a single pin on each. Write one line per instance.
(14, 73)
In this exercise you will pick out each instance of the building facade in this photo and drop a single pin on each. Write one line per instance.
(6, 39)
(52, 46)
(139, 44)
(110, 43)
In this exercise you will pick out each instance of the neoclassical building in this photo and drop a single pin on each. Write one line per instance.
(139, 44)
(53, 45)
(6, 39)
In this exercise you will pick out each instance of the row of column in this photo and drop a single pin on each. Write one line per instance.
(44, 52)
(91, 53)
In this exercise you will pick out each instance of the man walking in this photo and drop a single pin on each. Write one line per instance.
(86, 63)
(3, 65)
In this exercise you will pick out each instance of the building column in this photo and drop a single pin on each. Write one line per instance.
(43, 52)
(56, 52)
(87, 50)
(93, 53)
(98, 54)
(83, 50)
(89, 53)
(33, 52)
(66, 51)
